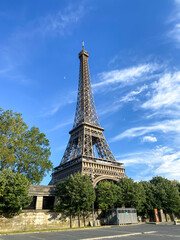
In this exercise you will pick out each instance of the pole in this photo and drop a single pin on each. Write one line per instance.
(94, 224)
(93, 214)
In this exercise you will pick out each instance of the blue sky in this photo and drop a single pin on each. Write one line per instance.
(134, 49)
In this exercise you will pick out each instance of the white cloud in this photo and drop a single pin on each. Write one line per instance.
(170, 168)
(126, 76)
(59, 103)
(162, 161)
(131, 96)
(5, 70)
(111, 108)
(149, 139)
(169, 165)
(61, 125)
(114, 59)
(149, 157)
(116, 105)
(10, 68)
(174, 33)
(15, 51)
(164, 127)
(166, 92)
(63, 20)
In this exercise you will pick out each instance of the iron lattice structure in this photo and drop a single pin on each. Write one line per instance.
(87, 150)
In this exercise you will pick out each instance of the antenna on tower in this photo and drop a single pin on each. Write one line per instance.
(83, 44)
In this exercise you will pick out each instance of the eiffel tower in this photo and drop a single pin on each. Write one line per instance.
(87, 150)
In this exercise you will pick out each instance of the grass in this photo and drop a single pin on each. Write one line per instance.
(47, 230)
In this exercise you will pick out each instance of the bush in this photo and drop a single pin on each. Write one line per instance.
(14, 188)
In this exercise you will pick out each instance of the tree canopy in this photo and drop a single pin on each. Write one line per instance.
(23, 150)
(108, 194)
(177, 184)
(14, 189)
(151, 202)
(166, 194)
(75, 195)
(133, 194)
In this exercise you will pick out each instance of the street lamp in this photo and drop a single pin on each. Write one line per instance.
(94, 224)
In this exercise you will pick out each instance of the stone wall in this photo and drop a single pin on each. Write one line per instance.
(33, 220)
(39, 218)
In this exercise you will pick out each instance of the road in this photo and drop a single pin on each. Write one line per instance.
(133, 232)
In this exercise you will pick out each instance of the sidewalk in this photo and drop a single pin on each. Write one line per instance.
(164, 223)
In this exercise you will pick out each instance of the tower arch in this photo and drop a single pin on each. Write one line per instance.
(102, 178)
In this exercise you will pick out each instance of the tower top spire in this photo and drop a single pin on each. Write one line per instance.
(83, 52)
(85, 108)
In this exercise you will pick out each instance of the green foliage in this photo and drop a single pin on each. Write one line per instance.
(75, 195)
(177, 184)
(108, 195)
(151, 202)
(2, 187)
(14, 189)
(166, 194)
(133, 194)
(21, 149)
(85, 190)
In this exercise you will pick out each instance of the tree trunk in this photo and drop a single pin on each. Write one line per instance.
(70, 221)
(166, 217)
(84, 219)
(78, 220)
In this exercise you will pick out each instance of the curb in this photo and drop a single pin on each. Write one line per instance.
(162, 223)
(68, 229)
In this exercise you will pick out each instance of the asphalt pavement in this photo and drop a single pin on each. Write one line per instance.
(129, 232)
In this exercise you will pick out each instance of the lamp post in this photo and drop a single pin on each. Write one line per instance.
(92, 201)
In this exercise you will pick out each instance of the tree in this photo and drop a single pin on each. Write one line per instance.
(177, 184)
(86, 193)
(14, 188)
(151, 203)
(108, 194)
(166, 194)
(75, 195)
(133, 194)
(23, 150)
